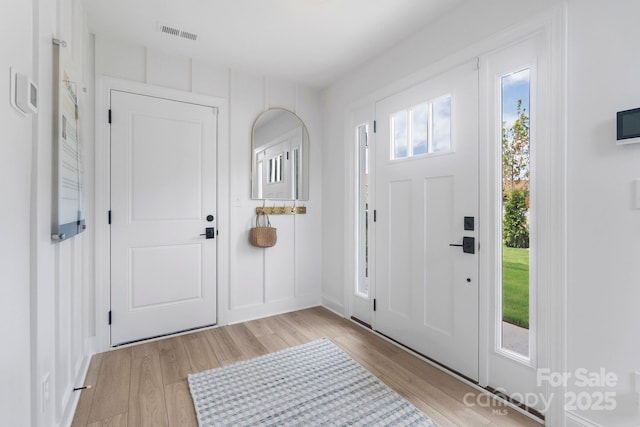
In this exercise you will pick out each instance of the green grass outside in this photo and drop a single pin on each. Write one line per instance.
(515, 286)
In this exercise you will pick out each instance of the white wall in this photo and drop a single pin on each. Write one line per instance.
(603, 228)
(15, 190)
(261, 282)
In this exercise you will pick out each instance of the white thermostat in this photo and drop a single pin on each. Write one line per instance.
(24, 93)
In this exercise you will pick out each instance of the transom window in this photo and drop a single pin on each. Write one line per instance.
(422, 129)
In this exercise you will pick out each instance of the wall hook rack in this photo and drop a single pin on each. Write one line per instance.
(281, 210)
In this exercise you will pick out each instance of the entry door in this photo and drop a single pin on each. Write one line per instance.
(426, 184)
(163, 197)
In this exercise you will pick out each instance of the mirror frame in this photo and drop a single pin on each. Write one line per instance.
(305, 161)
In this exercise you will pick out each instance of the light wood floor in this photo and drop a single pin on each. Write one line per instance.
(145, 385)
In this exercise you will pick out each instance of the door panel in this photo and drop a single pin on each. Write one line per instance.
(427, 290)
(400, 232)
(181, 190)
(163, 186)
(154, 271)
(438, 220)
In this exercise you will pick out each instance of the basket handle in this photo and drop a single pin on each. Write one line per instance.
(258, 217)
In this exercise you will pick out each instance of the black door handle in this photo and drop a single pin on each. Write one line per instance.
(210, 233)
(468, 245)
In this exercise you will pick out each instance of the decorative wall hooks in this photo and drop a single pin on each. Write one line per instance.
(281, 210)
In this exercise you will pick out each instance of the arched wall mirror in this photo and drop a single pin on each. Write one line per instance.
(279, 156)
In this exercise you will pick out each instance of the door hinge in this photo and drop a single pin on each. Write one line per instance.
(375, 126)
(287, 155)
(375, 215)
(109, 316)
(374, 304)
(109, 217)
(109, 115)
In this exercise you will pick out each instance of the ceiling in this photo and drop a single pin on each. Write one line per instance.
(306, 41)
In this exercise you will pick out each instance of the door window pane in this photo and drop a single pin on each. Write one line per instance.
(399, 134)
(420, 129)
(515, 89)
(442, 124)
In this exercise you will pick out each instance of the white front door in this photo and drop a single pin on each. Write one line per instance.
(163, 197)
(426, 184)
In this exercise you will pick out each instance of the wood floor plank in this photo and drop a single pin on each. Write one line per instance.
(111, 395)
(225, 349)
(273, 342)
(284, 330)
(304, 323)
(180, 409)
(119, 420)
(146, 400)
(173, 360)
(259, 328)
(199, 353)
(247, 343)
(81, 417)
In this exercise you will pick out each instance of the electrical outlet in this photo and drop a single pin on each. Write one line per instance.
(45, 392)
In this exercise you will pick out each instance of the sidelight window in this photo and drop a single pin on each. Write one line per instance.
(362, 133)
(516, 208)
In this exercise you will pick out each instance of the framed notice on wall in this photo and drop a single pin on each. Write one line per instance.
(68, 191)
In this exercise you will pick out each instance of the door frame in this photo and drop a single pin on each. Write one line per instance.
(552, 24)
(102, 273)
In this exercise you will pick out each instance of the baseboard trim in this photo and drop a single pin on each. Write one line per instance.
(259, 311)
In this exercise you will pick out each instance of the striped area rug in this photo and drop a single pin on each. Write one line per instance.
(315, 384)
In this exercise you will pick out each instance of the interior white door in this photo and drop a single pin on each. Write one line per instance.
(163, 197)
(427, 290)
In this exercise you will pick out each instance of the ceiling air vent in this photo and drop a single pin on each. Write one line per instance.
(176, 32)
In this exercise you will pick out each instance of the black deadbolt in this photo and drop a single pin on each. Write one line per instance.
(210, 218)
(469, 223)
